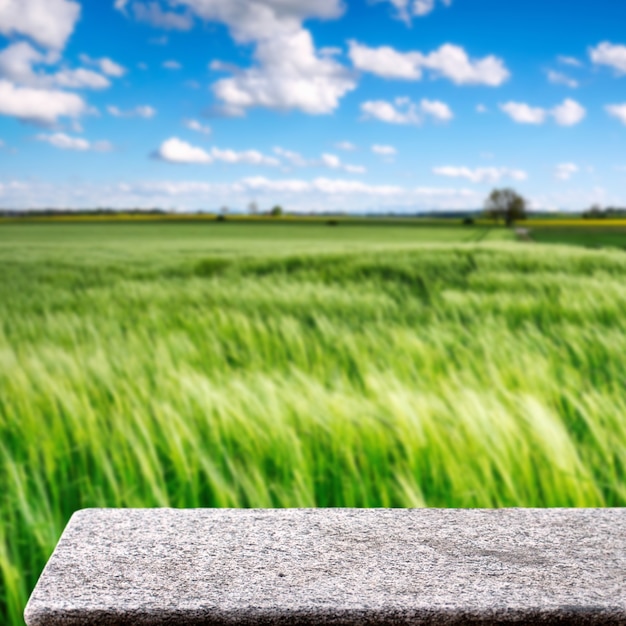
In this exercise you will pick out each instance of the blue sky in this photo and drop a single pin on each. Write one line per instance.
(353, 105)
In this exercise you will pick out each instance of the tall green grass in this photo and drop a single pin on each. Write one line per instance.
(354, 373)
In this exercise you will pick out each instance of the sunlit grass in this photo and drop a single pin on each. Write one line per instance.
(189, 368)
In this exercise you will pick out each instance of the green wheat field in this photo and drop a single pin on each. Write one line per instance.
(299, 365)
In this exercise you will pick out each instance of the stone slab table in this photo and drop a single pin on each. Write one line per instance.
(349, 567)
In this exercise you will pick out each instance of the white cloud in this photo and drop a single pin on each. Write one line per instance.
(331, 161)
(152, 13)
(47, 22)
(569, 113)
(18, 60)
(66, 142)
(609, 54)
(334, 162)
(571, 61)
(256, 20)
(423, 7)
(385, 61)
(175, 150)
(558, 78)
(449, 61)
(172, 65)
(481, 174)
(390, 113)
(439, 110)
(454, 63)
(564, 171)
(404, 111)
(80, 79)
(39, 106)
(145, 111)
(348, 146)
(107, 66)
(251, 157)
(523, 113)
(298, 195)
(384, 150)
(294, 158)
(319, 194)
(288, 74)
(618, 111)
(416, 8)
(196, 126)
(481, 108)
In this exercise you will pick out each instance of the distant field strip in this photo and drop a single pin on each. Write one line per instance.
(176, 365)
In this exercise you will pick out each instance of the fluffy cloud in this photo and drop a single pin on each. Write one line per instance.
(251, 157)
(66, 142)
(523, 113)
(288, 74)
(105, 65)
(385, 61)
(564, 171)
(345, 145)
(569, 113)
(319, 194)
(618, 111)
(48, 22)
(256, 20)
(449, 61)
(152, 13)
(145, 111)
(197, 127)
(293, 158)
(558, 78)
(384, 150)
(404, 111)
(39, 106)
(436, 109)
(611, 55)
(334, 162)
(481, 174)
(79, 79)
(331, 161)
(18, 60)
(571, 61)
(417, 8)
(175, 150)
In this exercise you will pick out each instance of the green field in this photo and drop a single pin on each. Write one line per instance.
(595, 237)
(300, 365)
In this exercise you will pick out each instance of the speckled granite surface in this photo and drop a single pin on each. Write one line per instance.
(157, 567)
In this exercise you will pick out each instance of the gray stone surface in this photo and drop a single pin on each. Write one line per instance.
(349, 567)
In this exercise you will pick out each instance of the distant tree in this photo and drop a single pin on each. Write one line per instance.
(505, 204)
(224, 210)
(277, 211)
(596, 212)
(253, 208)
